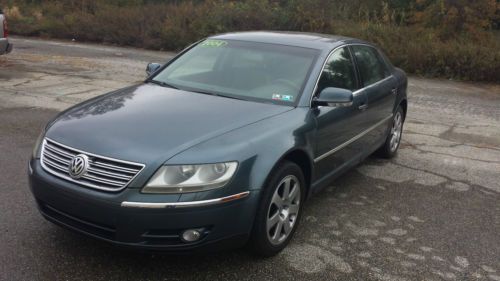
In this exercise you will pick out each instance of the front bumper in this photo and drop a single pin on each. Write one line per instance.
(127, 219)
(5, 46)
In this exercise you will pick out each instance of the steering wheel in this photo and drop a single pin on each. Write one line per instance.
(288, 83)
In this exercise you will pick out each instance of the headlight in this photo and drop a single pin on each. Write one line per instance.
(190, 178)
(36, 149)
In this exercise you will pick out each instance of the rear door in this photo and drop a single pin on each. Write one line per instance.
(379, 86)
(337, 127)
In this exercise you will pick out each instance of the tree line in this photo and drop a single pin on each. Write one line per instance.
(457, 39)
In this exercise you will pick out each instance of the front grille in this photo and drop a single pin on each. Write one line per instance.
(103, 173)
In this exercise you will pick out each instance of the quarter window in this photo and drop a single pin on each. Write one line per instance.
(370, 64)
(338, 72)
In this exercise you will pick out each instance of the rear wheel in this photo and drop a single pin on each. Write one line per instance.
(393, 140)
(279, 211)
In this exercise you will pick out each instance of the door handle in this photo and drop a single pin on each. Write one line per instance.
(394, 91)
(363, 107)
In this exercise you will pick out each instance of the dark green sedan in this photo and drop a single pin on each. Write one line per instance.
(222, 145)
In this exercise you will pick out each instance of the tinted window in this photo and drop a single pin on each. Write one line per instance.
(246, 70)
(338, 72)
(202, 62)
(371, 65)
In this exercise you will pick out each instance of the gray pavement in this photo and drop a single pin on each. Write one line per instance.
(432, 213)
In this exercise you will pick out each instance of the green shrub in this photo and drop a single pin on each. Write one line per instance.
(418, 48)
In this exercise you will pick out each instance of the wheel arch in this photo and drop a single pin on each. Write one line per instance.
(404, 104)
(303, 160)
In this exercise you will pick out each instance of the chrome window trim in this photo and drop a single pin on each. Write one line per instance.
(355, 138)
(321, 72)
(60, 175)
(372, 85)
(201, 203)
(326, 60)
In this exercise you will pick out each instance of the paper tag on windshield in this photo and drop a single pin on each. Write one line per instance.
(282, 97)
(213, 43)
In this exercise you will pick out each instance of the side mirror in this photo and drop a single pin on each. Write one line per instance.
(152, 68)
(334, 97)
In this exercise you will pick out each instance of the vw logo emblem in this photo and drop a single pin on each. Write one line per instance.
(78, 166)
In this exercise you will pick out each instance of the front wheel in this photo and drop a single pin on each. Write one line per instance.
(393, 140)
(279, 211)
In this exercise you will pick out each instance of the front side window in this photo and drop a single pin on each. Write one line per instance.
(244, 70)
(370, 64)
(338, 71)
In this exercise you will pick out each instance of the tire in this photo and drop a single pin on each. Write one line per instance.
(390, 148)
(276, 210)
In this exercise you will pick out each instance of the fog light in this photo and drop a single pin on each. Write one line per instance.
(191, 235)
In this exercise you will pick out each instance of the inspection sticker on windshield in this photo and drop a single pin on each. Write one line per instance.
(282, 97)
(213, 43)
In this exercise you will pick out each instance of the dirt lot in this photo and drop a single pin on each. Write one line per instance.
(432, 213)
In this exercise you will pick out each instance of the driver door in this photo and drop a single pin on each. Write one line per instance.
(337, 127)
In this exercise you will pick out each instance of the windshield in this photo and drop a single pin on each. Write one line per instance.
(243, 70)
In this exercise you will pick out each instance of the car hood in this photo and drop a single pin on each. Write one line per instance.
(149, 124)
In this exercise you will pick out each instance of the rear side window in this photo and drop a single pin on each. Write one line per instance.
(338, 71)
(371, 65)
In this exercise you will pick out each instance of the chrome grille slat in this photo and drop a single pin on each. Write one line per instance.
(59, 151)
(108, 174)
(111, 182)
(103, 173)
(112, 167)
(55, 157)
(55, 165)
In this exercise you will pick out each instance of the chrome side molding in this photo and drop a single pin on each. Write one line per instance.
(201, 203)
(355, 138)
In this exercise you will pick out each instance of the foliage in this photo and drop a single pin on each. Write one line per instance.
(456, 17)
(444, 38)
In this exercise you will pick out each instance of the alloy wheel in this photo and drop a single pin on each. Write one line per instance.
(396, 130)
(283, 210)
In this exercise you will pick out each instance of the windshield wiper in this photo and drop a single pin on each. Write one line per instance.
(163, 84)
(215, 94)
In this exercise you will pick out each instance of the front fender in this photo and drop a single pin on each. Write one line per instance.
(402, 87)
(257, 147)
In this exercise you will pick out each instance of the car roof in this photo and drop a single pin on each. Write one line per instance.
(297, 39)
